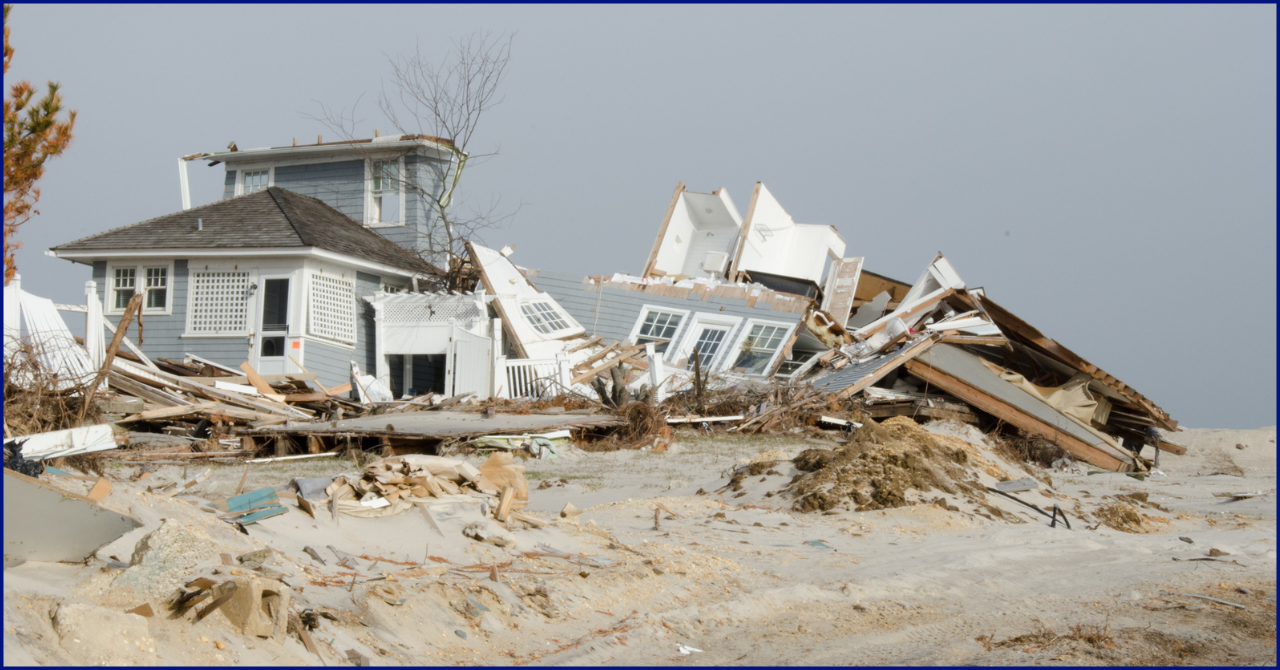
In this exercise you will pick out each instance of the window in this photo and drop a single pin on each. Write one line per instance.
(331, 307)
(658, 326)
(707, 346)
(157, 288)
(254, 180)
(758, 348)
(127, 281)
(798, 359)
(385, 191)
(219, 303)
(124, 287)
(544, 317)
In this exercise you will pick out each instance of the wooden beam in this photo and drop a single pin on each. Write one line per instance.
(662, 231)
(986, 340)
(259, 383)
(586, 363)
(591, 342)
(622, 356)
(1175, 449)
(915, 350)
(1016, 417)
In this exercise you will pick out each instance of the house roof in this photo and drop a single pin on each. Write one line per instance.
(387, 142)
(270, 218)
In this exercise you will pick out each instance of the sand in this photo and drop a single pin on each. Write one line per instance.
(737, 574)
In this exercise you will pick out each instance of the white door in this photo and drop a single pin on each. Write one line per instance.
(709, 342)
(469, 364)
(271, 346)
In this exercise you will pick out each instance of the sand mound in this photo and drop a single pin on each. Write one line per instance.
(879, 464)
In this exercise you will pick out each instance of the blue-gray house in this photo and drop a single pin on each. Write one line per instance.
(271, 277)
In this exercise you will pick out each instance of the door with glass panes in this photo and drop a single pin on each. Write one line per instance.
(271, 347)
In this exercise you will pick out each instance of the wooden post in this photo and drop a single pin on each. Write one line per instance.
(282, 446)
(313, 444)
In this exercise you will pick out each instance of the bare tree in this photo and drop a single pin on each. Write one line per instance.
(444, 103)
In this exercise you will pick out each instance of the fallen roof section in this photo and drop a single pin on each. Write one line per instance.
(1024, 333)
(963, 375)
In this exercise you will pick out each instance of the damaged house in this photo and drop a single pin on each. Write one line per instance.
(314, 260)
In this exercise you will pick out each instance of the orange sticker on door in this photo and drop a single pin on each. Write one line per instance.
(297, 344)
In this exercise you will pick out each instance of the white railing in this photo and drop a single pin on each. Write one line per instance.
(534, 377)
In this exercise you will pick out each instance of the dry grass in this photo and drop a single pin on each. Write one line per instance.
(1097, 636)
(32, 401)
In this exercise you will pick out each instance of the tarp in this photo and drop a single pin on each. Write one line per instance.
(1072, 399)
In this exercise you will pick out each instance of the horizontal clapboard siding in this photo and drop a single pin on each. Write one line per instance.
(612, 312)
(339, 185)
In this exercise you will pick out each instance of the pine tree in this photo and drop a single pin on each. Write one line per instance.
(33, 133)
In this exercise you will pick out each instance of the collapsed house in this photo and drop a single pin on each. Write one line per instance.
(315, 259)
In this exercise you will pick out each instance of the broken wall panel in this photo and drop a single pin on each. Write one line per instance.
(854, 378)
(698, 236)
(842, 286)
(45, 523)
(772, 242)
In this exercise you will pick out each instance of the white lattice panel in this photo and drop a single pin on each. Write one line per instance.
(219, 302)
(426, 312)
(332, 306)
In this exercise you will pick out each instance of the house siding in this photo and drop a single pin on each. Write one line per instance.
(331, 363)
(162, 333)
(366, 335)
(612, 312)
(339, 184)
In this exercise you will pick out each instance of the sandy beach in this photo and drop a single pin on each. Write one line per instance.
(732, 574)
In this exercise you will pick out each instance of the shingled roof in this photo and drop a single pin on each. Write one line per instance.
(270, 218)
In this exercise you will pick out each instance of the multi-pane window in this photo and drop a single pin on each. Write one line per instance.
(219, 303)
(544, 317)
(659, 327)
(386, 192)
(707, 346)
(124, 286)
(798, 359)
(126, 282)
(254, 180)
(758, 348)
(157, 287)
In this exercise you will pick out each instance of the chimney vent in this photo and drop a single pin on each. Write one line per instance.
(199, 224)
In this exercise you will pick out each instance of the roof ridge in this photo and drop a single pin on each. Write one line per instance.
(290, 215)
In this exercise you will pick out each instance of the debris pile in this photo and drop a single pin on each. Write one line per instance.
(878, 465)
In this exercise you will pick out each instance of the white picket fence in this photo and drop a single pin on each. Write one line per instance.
(532, 377)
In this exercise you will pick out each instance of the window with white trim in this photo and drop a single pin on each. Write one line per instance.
(331, 308)
(758, 348)
(707, 346)
(658, 326)
(385, 193)
(255, 180)
(157, 288)
(123, 287)
(544, 317)
(219, 303)
(126, 281)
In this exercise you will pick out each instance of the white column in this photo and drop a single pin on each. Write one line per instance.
(94, 340)
(563, 372)
(449, 359)
(657, 374)
(382, 370)
(498, 364)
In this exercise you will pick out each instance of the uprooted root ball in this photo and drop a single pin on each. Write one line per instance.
(877, 467)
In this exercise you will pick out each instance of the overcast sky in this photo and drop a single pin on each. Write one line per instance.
(1107, 173)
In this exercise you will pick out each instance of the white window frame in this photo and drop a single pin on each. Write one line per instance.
(368, 193)
(675, 337)
(251, 303)
(139, 286)
(788, 328)
(690, 337)
(571, 324)
(271, 176)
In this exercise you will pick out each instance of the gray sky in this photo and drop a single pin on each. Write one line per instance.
(1108, 173)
